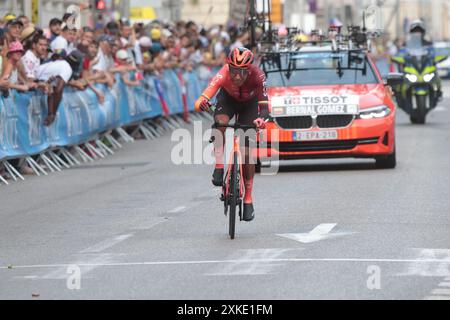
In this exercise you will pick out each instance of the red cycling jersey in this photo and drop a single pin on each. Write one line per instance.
(254, 85)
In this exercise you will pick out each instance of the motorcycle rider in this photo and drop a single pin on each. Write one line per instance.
(418, 30)
(417, 27)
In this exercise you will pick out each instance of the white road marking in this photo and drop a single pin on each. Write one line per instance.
(419, 267)
(444, 284)
(86, 265)
(92, 260)
(253, 262)
(178, 209)
(27, 277)
(441, 292)
(149, 225)
(193, 262)
(321, 232)
(437, 298)
(99, 247)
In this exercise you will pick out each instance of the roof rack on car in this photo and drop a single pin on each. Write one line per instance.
(274, 43)
(292, 38)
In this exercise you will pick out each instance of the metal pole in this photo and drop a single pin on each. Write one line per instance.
(253, 23)
(398, 22)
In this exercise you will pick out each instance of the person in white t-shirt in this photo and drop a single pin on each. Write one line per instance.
(65, 41)
(32, 58)
(105, 68)
(58, 73)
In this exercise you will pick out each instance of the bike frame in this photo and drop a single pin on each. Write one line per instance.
(234, 169)
(236, 150)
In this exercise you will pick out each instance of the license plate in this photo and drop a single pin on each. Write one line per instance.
(315, 135)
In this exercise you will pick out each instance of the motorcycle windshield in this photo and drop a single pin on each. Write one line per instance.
(415, 45)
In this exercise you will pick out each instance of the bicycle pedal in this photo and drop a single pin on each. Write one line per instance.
(222, 197)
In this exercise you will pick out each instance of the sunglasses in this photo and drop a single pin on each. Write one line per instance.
(238, 71)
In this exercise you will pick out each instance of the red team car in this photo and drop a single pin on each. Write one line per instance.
(327, 103)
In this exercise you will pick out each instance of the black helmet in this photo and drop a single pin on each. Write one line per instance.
(417, 25)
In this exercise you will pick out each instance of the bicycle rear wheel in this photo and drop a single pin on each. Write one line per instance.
(234, 195)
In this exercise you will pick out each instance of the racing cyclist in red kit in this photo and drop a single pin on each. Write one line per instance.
(241, 90)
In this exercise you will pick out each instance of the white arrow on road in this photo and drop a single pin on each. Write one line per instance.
(321, 232)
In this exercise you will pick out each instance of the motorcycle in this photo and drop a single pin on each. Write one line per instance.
(420, 90)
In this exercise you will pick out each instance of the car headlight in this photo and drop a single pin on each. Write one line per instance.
(428, 77)
(375, 112)
(411, 77)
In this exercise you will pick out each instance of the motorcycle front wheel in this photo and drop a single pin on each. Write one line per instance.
(418, 116)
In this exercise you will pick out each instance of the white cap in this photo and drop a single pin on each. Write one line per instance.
(225, 36)
(145, 42)
(166, 33)
(214, 32)
(122, 54)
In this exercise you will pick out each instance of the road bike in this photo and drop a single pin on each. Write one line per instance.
(233, 186)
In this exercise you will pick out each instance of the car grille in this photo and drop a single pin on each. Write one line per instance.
(303, 122)
(332, 145)
(335, 121)
(306, 122)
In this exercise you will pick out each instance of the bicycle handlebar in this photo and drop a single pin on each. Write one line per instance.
(235, 126)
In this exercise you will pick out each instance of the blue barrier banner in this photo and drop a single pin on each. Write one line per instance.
(74, 122)
(193, 88)
(161, 96)
(133, 107)
(80, 117)
(111, 106)
(137, 102)
(9, 128)
(152, 96)
(32, 134)
(172, 91)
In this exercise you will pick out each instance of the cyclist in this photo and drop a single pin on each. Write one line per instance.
(241, 90)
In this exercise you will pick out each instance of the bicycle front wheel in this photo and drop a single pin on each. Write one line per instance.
(234, 194)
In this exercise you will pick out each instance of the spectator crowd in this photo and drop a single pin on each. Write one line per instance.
(50, 57)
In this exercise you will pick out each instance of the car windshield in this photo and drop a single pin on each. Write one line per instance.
(319, 68)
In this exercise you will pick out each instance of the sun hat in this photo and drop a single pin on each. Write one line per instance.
(155, 34)
(27, 33)
(145, 42)
(15, 46)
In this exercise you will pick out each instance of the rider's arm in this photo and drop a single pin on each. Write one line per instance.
(215, 84)
(263, 98)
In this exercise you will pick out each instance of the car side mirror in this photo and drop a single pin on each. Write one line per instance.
(394, 79)
(440, 59)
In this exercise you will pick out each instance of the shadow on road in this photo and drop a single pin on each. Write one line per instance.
(298, 167)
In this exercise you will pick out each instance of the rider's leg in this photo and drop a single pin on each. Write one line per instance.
(249, 173)
(247, 114)
(223, 113)
(219, 141)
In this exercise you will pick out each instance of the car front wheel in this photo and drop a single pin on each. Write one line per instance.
(387, 162)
